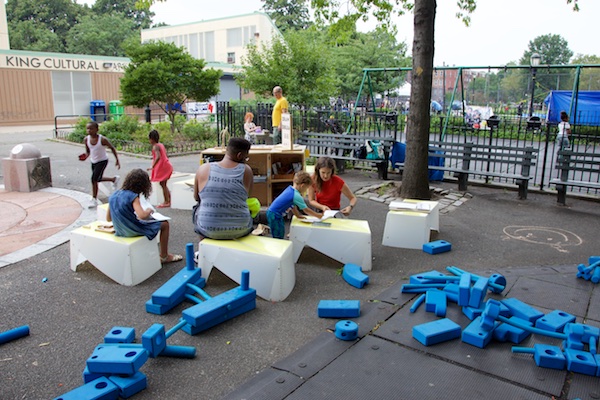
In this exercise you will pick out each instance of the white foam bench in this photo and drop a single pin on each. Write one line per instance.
(126, 260)
(156, 197)
(182, 195)
(345, 240)
(411, 229)
(272, 270)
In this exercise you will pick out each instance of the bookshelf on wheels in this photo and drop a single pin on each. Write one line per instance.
(273, 168)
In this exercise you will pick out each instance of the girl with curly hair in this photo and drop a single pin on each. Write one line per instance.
(131, 219)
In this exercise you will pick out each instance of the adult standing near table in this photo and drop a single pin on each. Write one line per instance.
(281, 106)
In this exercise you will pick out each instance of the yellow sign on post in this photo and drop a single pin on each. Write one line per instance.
(287, 141)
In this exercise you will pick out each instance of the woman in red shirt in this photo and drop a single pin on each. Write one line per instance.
(326, 191)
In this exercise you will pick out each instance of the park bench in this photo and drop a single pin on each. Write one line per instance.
(344, 147)
(585, 166)
(497, 161)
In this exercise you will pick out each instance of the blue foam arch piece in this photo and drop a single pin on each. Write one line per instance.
(353, 274)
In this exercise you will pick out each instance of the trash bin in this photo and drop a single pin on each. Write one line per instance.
(115, 109)
(26, 170)
(98, 110)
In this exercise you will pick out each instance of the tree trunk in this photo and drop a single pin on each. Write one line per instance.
(415, 180)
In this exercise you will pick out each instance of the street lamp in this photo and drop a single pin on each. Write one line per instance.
(534, 61)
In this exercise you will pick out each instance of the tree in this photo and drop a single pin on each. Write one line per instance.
(141, 17)
(101, 35)
(375, 49)
(590, 77)
(415, 178)
(288, 15)
(55, 17)
(296, 63)
(164, 74)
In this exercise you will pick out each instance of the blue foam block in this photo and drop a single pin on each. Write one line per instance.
(471, 312)
(489, 314)
(437, 331)
(120, 334)
(464, 289)
(13, 334)
(452, 292)
(438, 246)
(522, 310)
(154, 340)
(353, 274)
(346, 330)
(98, 389)
(173, 291)
(88, 376)
(219, 308)
(510, 333)
(435, 302)
(116, 360)
(428, 277)
(129, 385)
(545, 356)
(207, 324)
(338, 308)
(477, 336)
(478, 292)
(554, 321)
(581, 362)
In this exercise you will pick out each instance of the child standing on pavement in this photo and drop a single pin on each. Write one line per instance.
(131, 219)
(161, 169)
(290, 197)
(95, 147)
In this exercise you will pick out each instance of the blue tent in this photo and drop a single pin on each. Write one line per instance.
(583, 110)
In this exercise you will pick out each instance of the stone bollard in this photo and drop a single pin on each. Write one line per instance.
(26, 170)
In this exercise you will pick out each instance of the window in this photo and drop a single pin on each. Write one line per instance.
(230, 58)
(234, 37)
(72, 92)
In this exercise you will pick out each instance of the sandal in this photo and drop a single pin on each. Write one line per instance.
(171, 258)
(164, 205)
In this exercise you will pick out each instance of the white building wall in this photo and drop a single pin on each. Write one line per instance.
(4, 42)
(214, 40)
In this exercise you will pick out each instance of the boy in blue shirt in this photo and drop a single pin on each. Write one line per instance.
(290, 197)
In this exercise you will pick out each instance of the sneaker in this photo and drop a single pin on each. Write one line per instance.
(115, 184)
(94, 203)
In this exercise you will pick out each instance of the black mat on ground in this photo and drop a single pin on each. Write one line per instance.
(496, 359)
(594, 310)
(554, 296)
(377, 369)
(584, 387)
(313, 356)
(270, 384)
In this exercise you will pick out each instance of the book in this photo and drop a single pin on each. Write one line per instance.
(411, 206)
(309, 219)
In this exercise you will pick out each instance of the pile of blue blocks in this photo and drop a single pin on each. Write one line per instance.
(207, 311)
(506, 320)
(590, 272)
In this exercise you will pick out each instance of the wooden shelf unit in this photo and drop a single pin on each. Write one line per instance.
(267, 185)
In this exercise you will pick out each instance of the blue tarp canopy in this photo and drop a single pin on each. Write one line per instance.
(585, 108)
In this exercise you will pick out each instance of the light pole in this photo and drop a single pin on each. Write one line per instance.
(534, 61)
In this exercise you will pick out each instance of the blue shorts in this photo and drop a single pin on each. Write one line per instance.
(277, 224)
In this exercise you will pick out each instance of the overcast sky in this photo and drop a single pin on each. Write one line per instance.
(500, 30)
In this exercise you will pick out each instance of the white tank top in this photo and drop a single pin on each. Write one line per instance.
(97, 151)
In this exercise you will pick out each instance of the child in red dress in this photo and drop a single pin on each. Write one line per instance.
(161, 169)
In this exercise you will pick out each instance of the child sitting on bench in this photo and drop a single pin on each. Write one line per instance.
(131, 219)
(290, 197)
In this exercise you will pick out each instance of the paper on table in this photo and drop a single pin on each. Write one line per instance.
(419, 206)
(309, 219)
